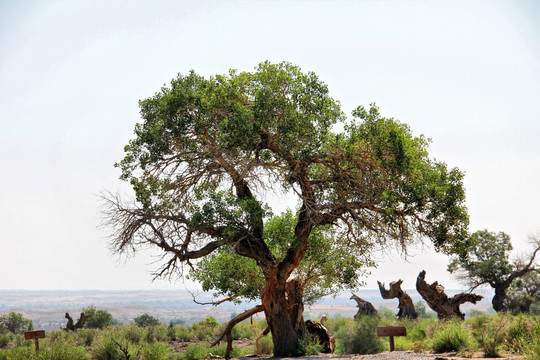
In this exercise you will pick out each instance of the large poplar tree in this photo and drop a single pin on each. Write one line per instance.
(210, 153)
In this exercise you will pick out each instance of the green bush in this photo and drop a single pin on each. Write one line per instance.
(63, 351)
(450, 336)
(107, 349)
(267, 345)
(86, 336)
(359, 337)
(205, 330)
(4, 340)
(309, 344)
(195, 352)
(221, 349)
(132, 333)
(184, 333)
(490, 332)
(155, 333)
(157, 351)
(242, 330)
(18, 353)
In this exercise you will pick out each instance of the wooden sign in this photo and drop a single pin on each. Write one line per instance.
(36, 335)
(391, 331)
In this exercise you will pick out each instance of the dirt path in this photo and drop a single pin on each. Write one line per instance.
(395, 355)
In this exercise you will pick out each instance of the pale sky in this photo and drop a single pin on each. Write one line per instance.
(464, 73)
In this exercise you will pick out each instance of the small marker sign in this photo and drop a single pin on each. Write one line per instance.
(36, 335)
(391, 331)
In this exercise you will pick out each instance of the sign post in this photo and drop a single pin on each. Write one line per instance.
(36, 335)
(391, 331)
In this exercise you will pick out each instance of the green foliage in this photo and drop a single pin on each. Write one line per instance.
(97, 319)
(205, 330)
(490, 332)
(487, 261)
(242, 330)
(63, 351)
(524, 294)
(18, 353)
(450, 337)
(205, 144)
(145, 320)
(309, 344)
(421, 309)
(386, 313)
(15, 323)
(4, 340)
(359, 337)
(195, 352)
(157, 351)
(184, 333)
(267, 345)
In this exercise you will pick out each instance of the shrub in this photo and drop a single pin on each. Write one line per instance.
(4, 340)
(63, 351)
(157, 351)
(242, 331)
(132, 333)
(155, 333)
(183, 333)
(267, 345)
(359, 337)
(451, 336)
(18, 353)
(206, 329)
(490, 332)
(195, 352)
(309, 344)
(86, 337)
(221, 349)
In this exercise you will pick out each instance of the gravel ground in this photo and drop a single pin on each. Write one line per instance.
(395, 355)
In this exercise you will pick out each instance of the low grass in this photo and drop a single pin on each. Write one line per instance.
(491, 334)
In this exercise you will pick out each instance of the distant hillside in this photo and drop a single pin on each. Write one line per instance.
(47, 308)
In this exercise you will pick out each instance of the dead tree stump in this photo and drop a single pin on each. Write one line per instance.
(78, 325)
(406, 306)
(364, 307)
(437, 299)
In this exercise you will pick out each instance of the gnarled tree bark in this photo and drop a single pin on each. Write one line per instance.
(364, 307)
(437, 299)
(406, 306)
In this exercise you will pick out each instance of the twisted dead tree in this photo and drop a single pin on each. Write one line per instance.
(364, 307)
(78, 325)
(437, 299)
(406, 306)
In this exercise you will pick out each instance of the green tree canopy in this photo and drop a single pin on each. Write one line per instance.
(145, 320)
(97, 318)
(15, 323)
(488, 263)
(211, 152)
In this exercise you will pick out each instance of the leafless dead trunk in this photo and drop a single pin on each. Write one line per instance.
(437, 299)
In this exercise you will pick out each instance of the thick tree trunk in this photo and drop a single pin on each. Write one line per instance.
(406, 305)
(283, 307)
(498, 300)
(437, 299)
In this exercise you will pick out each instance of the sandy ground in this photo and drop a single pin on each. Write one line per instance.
(399, 355)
